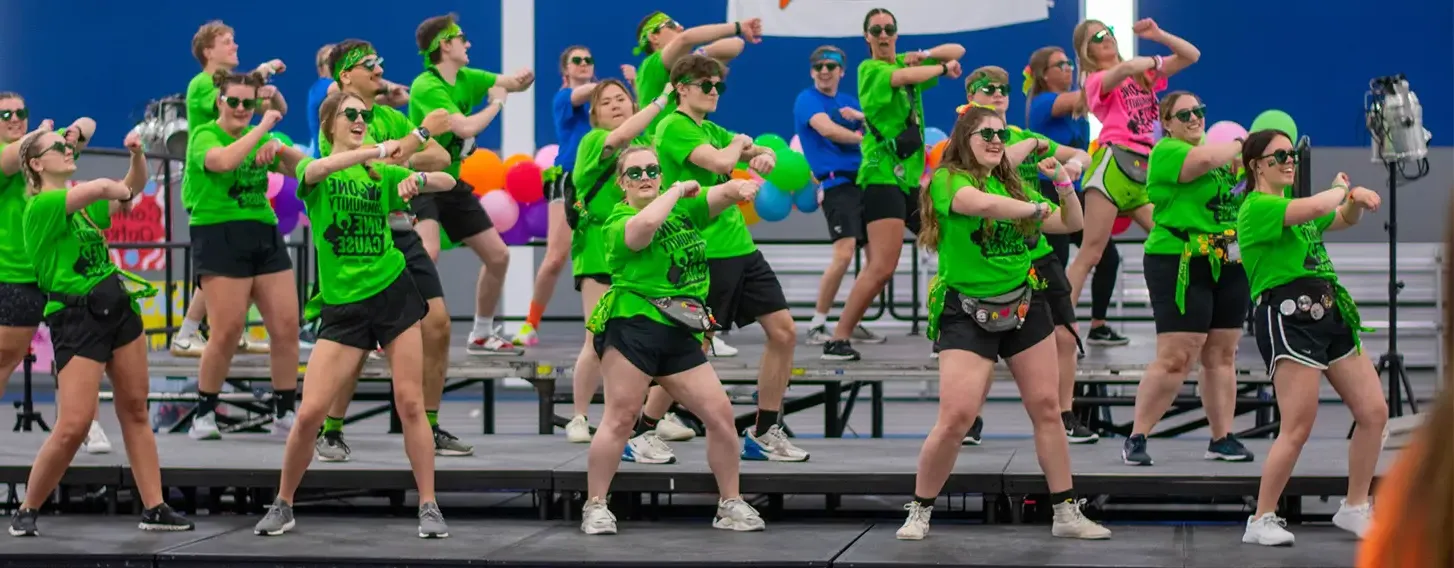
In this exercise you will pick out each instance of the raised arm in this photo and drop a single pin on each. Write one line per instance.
(10, 156)
(641, 227)
(637, 124)
(1205, 158)
(824, 124)
(84, 194)
(1183, 53)
(1113, 77)
(1020, 151)
(1306, 209)
(720, 160)
(319, 170)
(470, 126)
(946, 52)
(1359, 199)
(581, 95)
(690, 38)
(136, 174)
(1071, 218)
(917, 74)
(969, 200)
(79, 133)
(229, 157)
(724, 196)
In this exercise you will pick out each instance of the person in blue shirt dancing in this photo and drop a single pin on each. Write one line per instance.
(829, 126)
(316, 94)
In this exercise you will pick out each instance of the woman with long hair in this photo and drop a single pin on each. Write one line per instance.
(94, 321)
(649, 328)
(1122, 96)
(976, 215)
(369, 299)
(616, 123)
(1195, 277)
(238, 254)
(1307, 325)
(1056, 111)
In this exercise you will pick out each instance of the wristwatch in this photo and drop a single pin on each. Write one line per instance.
(422, 133)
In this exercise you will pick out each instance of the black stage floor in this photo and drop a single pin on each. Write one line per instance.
(339, 541)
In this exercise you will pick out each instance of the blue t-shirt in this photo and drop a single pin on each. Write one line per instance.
(1064, 130)
(826, 156)
(316, 94)
(571, 124)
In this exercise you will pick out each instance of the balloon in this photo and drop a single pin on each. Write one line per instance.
(1275, 120)
(796, 144)
(483, 170)
(515, 159)
(516, 236)
(524, 182)
(773, 204)
(303, 220)
(936, 153)
(772, 141)
(536, 218)
(749, 213)
(286, 223)
(806, 199)
(151, 188)
(742, 173)
(933, 136)
(1122, 223)
(290, 186)
(1094, 145)
(545, 158)
(1225, 131)
(275, 184)
(791, 172)
(502, 208)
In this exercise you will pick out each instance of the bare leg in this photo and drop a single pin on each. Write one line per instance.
(701, 392)
(885, 243)
(406, 361)
(776, 367)
(832, 279)
(277, 300)
(557, 253)
(330, 365)
(586, 375)
(964, 377)
(1218, 379)
(228, 313)
(1164, 377)
(1100, 218)
(130, 384)
(1297, 403)
(77, 385)
(434, 331)
(1033, 369)
(1358, 385)
(14, 346)
(496, 258)
(1066, 352)
(625, 387)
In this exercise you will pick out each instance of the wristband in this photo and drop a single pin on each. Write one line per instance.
(1159, 61)
(422, 179)
(419, 133)
(383, 152)
(944, 69)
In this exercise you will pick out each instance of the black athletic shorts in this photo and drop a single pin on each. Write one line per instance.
(95, 325)
(417, 262)
(657, 349)
(1298, 337)
(743, 288)
(958, 330)
(604, 279)
(458, 211)
(1210, 304)
(238, 249)
(557, 189)
(843, 209)
(1057, 289)
(21, 305)
(375, 321)
(890, 202)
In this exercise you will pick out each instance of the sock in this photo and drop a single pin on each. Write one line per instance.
(189, 329)
(537, 311)
(924, 501)
(433, 417)
(484, 326)
(644, 425)
(208, 404)
(284, 400)
(1067, 496)
(331, 424)
(818, 319)
(766, 419)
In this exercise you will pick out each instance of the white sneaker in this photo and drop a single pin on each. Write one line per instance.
(916, 527)
(596, 518)
(1071, 523)
(204, 427)
(578, 430)
(282, 425)
(96, 441)
(736, 515)
(252, 347)
(721, 348)
(773, 445)
(1268, 530)
(864, 335)
(648, 449)
(1354, 519)
(818, 335)
(672, 429)
(491, 346)
(190, 347)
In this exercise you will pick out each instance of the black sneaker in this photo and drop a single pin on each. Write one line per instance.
(1228, 449)
(163, 518)
(23, 524)
(839, 350)
(1077, 432)
(1104, 336)
(1134, 452)
(973, 438)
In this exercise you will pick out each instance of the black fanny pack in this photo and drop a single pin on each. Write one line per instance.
(108, 296)
(574, 207)
(911, 140)
(689, 312)
(998, 314)
(1131, 163)
(1304, 300)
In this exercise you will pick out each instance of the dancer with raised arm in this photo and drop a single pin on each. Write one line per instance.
(1307, 325)
(982, 308)
(95, 324)
(449, 83)
(369, 299)
(648, 327)
(890, 88)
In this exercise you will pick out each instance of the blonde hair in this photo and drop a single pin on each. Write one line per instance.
(320, 60)
(1088, 65)
(959, 159)
(29, 151)
(328, 114)
(205, 37)
(621, 158)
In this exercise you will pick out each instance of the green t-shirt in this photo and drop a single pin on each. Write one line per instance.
(220, 197)
(1205, 205)
(201, 101)
(651, 79)
(677, 135)
(349, 213)
(69, 252)
(587, 249)
(387, 124)
(15, 267)
(978, 257)
(1275, 254)
(887, 109)
(673, 265)
(429, 92)
(1030, 180)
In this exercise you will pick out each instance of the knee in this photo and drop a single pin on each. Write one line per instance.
(782, 332)
(131, 411)
(1175, 361)
(1090, 253)
(1219, 357)
(1065, 341)
(11, 355)
(71, 430)
(1043, 408)
(409, 405)
(619, 422)
(435, 327)
(552, 264)
(877, 272)
(497, 258)
(283, 327)
(1373, 414)
(1297, 431)
(842, 256)
(957, 418)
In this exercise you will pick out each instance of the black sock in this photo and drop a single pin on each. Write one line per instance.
(924, 501)
(284, 400)
(766, 419)
(1067, 496)
(208, 404)
(645, 424)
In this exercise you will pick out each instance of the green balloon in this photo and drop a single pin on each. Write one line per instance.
(772, 141)
(1275, 120)
(791, 172)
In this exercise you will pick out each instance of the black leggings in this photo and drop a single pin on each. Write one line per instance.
(1103, 282)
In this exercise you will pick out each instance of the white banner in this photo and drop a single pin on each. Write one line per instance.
(844, 18)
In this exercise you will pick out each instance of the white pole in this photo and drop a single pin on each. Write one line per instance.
(517, 51)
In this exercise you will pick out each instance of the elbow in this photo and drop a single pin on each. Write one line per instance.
(86, 124)
(953, 51)
(221, 164)
(723, 166)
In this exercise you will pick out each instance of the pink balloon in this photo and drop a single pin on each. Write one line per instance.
(796, 144)
(275, 184)
(501, 207)
(545, 158)
(1225, 131)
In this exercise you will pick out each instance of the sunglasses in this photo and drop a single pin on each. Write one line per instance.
(17, 114)
(1184, 115)
(461, 38)
(1063, 64)
(62, 146)
(583, 60)
(889, 30)
(990, 90)
(638, 173)
(669, 24)
(827, 66)
(353, 114)
(247, 104)
(371, 63)
(989, 134)
(708, 86)
(1100, 36)
(1283, 157)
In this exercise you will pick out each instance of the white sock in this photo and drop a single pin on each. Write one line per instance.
(818, 319)
(484, 326)
(189, 329)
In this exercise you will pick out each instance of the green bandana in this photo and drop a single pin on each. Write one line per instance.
(445, 34)
(652, 24)
(352, 59)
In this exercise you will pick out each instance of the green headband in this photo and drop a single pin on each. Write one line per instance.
(444, 35)
(982, 82)
(352, 59)
(652, 23)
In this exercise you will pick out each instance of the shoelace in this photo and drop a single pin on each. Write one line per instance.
(600, 506)
(657, 443)
(431, 512)
(336, 441)
(740, 508)
(917, 512)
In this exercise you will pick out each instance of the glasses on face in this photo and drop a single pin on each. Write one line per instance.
(1106, 33)
(353, 114)
(990, 90)
(1063, 64)
(989, 134)
(588, 60)
(825, 66)
(17, 114)
(1282, 157)
(882, 31)
(638, 173)
(708, 86)
(246, 104)
(59, 146)
(667, 25)
(1184, 115)
(371, 63)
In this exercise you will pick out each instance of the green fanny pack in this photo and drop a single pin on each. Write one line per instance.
(1218, 248)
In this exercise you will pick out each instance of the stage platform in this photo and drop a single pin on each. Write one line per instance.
(347, 541)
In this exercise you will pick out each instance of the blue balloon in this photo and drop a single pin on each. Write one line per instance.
(806, 199)
(934, 136)
(773, 204)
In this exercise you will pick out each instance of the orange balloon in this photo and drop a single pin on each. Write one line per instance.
(749, 213)
(483, 170)
(517, 158)
(1094, 145)
(937, 153)
(741, 173)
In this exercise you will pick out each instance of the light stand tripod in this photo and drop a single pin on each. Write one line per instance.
(26, 417)
(1391, 361)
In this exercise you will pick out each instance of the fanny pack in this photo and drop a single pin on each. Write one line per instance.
(577, 208)
(1001, 313)
(689, 312)
(1305, 300)
(911, 140)
(109, 294)
(1222, 246)
(1131, 163)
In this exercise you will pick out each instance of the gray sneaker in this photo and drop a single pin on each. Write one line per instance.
(278, 520)
(445, 444)
(331, 447)
(431, 521)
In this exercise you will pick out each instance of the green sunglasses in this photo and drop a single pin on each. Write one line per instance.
(353, 114)
(17, 114)
(1283, 157)
(247, 104)
(990, 90)
(889, 30)
(638, 173)
(708, 86)
(989, 134)
(62, 146)
(1108, 32)
(583, 60)
(1184, 115)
